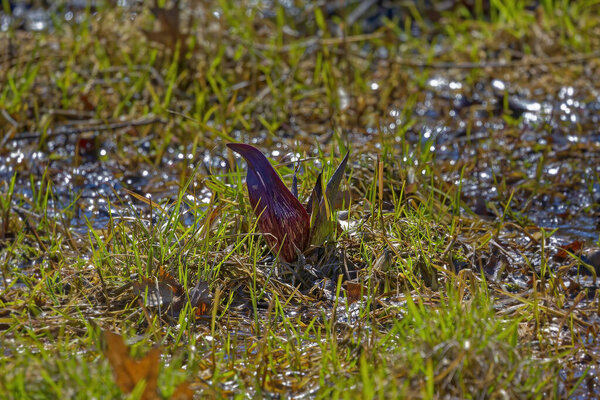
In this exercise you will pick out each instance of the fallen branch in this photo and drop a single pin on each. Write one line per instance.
(61, 130)
(573, 58)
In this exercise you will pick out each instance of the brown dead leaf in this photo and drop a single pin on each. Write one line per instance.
(201, 298)
(170, 32)
(170, 296)
(182, 392)
(161, 291)
(355, 291)
(563, 251)
(129, 372)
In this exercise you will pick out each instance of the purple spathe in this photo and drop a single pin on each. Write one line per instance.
(281, 218)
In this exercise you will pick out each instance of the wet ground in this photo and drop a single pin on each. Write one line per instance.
(521, 143)
(514, 135)
(536, 147)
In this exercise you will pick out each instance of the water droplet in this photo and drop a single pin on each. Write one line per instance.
(344, 98)
(498, 85)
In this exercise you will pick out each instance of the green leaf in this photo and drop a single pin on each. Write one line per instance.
(322, 216)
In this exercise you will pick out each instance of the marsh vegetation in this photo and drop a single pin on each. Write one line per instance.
(461, 259)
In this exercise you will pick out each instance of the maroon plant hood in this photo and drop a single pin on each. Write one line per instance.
(281, 218)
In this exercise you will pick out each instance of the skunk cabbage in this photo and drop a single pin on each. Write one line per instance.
(283, 220)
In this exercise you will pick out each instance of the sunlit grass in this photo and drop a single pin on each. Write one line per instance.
(424, 327)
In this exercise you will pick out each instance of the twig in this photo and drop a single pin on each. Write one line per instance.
(61, 130)
(358, 12)
(31, 228)
(573, 58)
(10, 119)
(314, 41)
(546, 309)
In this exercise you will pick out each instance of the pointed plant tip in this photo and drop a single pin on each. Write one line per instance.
(281, 218)
(238, 147)
(322, 223)
(250, 153)
(284, 221)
